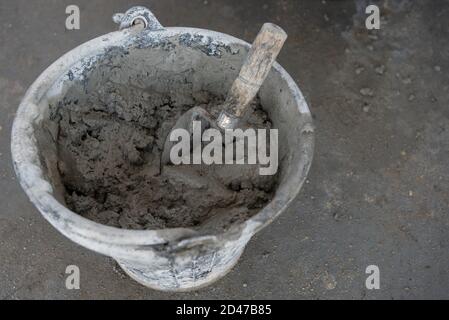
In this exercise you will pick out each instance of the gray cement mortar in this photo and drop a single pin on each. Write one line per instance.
(109, 162)
(378, 189)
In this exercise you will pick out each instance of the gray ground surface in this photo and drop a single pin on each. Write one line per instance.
(378, 188)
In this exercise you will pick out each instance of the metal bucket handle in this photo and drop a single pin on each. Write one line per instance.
(137, 15)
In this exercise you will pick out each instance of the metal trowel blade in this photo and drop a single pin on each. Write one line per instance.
(186, 122)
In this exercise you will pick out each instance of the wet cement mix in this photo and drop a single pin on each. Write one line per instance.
(109, 152)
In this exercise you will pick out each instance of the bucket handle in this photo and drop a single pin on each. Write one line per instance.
(137, 15)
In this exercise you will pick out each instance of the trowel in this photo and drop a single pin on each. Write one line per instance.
(253, 73)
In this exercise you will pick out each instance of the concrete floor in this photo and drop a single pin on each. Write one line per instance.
(378, 190)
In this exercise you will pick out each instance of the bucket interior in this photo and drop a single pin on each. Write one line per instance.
(101, 136)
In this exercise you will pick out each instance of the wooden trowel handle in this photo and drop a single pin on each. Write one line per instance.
(255, 69)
